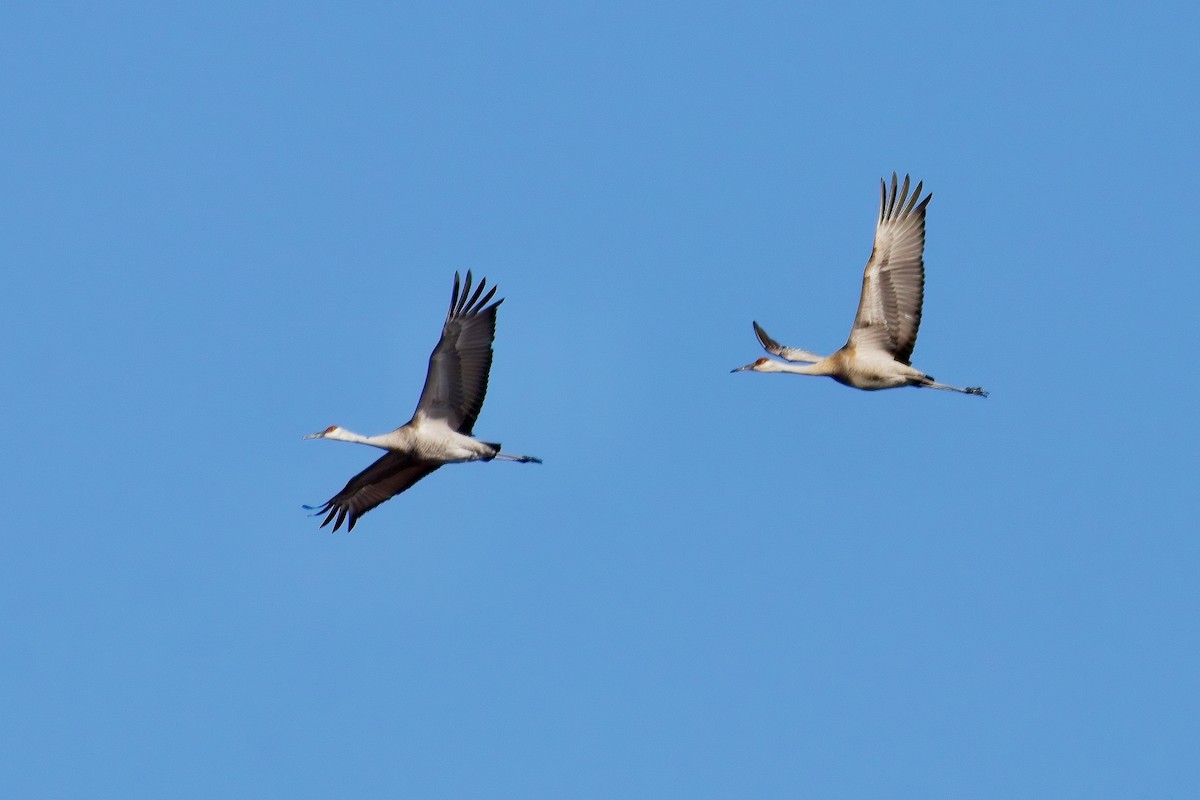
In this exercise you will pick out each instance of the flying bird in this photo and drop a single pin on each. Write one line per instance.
(877, 354)
(440, 429)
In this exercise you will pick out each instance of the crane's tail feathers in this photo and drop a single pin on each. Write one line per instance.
(498, 456)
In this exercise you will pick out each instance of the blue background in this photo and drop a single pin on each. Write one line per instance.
(227, 225)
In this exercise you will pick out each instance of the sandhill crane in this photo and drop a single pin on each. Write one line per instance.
(876, 356)
(440, 429)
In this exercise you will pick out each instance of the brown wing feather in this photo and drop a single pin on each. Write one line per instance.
(889, 311)
(457, 380)
(390, 475)
(794, 354)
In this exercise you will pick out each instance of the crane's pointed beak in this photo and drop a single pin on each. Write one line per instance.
(741, 369)
(322, 434)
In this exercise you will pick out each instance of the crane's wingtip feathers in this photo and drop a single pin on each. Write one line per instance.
(769, 344)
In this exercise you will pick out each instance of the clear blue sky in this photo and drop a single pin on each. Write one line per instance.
(227, 225)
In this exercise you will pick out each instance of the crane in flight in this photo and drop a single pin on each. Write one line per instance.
(440, 429)
(881, 342)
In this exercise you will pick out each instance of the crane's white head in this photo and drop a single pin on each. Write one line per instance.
(331, 432)
(761, 365)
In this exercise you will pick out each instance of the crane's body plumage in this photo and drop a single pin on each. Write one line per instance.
(440, 429)
(878, 352)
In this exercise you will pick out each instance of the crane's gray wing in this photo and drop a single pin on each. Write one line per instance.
(786, 353)
(458, 368)
(390, 475)
(889, 311)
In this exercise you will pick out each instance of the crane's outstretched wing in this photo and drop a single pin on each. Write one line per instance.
(889, 311)
(458, 369)
(390, 475)
(786, 353)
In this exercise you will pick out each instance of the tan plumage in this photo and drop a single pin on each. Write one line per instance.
(440, 429)
(877, 354)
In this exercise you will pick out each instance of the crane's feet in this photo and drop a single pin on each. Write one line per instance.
(518, 459)
(976, 390)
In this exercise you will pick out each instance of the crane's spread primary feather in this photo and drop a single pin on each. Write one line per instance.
(387, 477)
(458, 367)
(889, 311)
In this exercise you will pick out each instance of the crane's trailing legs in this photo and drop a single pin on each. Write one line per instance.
(518, 459)
(932, 384)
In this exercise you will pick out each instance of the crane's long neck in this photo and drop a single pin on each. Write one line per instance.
(822, 367)
(343, 435)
